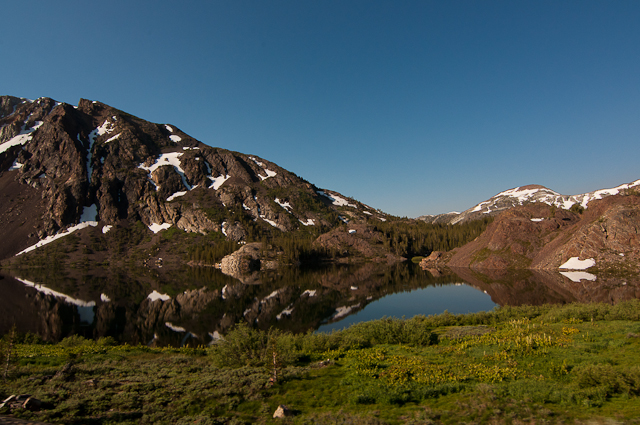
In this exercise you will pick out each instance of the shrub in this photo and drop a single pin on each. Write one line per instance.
(607, 377)
(413, 331)
(246, 346)
(74, 341)
(577, 208)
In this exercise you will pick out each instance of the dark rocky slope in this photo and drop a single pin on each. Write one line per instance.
(61, 165)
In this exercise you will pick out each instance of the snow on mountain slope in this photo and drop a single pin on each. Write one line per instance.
(524, 195)
(93, 162)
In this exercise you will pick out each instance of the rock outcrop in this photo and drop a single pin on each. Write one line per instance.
(244, 263)
(93, 163)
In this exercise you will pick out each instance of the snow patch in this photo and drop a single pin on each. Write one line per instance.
(574, 263)
(50, 239)
(273, 294)
(336, 200)
(285, 205)
(309, 292)
(218, 181)
(176, 195)
(175, 328)
(22, 138)
(286, 312)
(113, 138)
(16, 166)
(155, 227)
(309, 222)
(599, 194)
(105, 128)
(268, 172)
(155, 295)
(85, 308)
(169, 128)
(175, 138)
(343, 311)
(271, 222)
(66, 298)
(171, 158)
(104, 298)
(578, 276)
(522, 194)
(105, 229)
(537, 219)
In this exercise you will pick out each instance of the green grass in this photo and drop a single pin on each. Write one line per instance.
(551, 364)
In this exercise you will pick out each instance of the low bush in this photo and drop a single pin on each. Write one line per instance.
(246, 346)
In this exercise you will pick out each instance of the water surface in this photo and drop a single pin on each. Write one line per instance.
(193, 306)
(455, 298)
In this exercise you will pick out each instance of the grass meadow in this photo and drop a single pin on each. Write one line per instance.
(577, 363)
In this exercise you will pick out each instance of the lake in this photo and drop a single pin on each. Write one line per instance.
(196, 305)
(456, 298)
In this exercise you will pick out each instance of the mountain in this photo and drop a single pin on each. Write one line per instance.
(65, 168)
(521, 196)
(603, 238)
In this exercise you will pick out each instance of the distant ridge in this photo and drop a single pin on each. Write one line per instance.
(524, 195)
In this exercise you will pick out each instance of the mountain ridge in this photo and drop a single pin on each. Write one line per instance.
(523, 195)
(601, 239)
(95, 164)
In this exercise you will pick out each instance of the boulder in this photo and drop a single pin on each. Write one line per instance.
(282, 411)
(242, 263)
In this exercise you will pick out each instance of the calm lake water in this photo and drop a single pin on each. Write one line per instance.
(196, 305)
(455, 298)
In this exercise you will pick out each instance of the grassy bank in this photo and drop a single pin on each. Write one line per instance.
(550, 364)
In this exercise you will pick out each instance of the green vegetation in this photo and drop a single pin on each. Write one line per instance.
(576, 363)
(403, 237)
(577, 208)
(130, 246)
(410, 238)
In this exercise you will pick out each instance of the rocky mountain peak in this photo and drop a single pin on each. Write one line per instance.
(93, 163)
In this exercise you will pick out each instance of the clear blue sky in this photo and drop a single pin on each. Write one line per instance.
(413, 107)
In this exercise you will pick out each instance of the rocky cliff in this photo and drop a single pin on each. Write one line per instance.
(63, 165)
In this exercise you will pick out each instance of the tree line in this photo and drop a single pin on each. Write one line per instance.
(406, 238)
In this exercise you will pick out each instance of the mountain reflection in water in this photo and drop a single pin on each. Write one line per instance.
(196, 305)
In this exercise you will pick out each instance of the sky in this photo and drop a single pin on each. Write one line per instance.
(412, 107)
